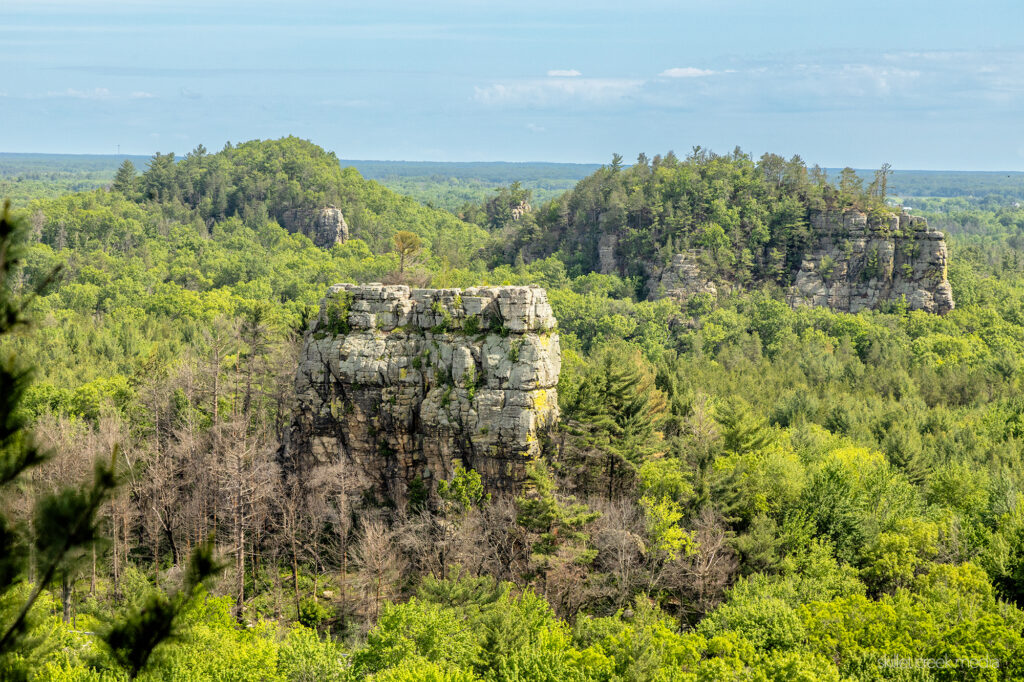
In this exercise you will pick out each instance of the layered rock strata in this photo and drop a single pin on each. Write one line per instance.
(396, 385)
(325, 226)
(856, 262)
(683, 278)
(859, 263)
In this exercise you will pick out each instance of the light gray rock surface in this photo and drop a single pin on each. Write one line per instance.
(325, 226)
(607, 259)
(683, 278)
(397, 384)
(855, 263)
(859, 263)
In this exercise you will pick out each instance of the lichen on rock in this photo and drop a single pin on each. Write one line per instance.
(860, 262)
(397, 384)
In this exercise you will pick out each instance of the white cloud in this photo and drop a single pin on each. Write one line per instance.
(685, 72)
(139, 94)
(557, 91)
(95, 93)
(564, 73)
(865, 79)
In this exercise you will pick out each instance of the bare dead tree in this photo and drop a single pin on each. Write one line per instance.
(245, 474)
(504, 545)
(74, 447)
(699, 580)
(618, 535)
(378, 563)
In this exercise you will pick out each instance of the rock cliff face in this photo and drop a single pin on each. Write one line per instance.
(855, 263)
(608, 261)
(395, 385)
(325, 226)
(683, 278)
(860, 263)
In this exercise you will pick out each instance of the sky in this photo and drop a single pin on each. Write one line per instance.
(920, 85)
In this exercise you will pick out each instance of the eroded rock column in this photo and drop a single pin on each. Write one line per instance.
(394, 385)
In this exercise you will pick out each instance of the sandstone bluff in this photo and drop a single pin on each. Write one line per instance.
(325, 226)
(395, 385)
(861, 261)
(856, 262)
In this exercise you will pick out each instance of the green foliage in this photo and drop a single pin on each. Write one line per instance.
(617, 408)
(312, 613)
(464, 492)
(304, 657)
(734, 210)
(64, 523)
(407, 245)
(557, 521)
(133, 640)
(862, 473)
(416, 630)
(336, 313)
(667, 536)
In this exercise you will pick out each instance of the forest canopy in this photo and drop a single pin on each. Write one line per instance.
(737, 490)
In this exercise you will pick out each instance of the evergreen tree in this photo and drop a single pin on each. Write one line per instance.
(557, 521)
(619, 410)
(124, 180)
(407, 245)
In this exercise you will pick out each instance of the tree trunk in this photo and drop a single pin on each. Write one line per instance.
(156, 561)
(611, 476)
(295, 575)
(239, 555)
(343, 586)
(116, 566)
(216, 387)
(376, 600)
(65, 598)
(277, 593)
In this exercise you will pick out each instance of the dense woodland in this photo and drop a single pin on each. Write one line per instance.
(737, 490)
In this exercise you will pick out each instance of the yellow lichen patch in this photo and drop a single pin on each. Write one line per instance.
(540, 400)
(403, 373)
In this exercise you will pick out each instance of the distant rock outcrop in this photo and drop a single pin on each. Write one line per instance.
(325, 226)
(859, 263)
(608, 261)
(395, 385)
(683, 278)
(856, 262)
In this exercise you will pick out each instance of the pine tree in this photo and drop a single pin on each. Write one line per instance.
(742, 430)
(620, 411)
(124, 181)
(407, 245)
(557, 521)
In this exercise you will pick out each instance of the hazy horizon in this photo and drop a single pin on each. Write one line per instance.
(144, 157)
